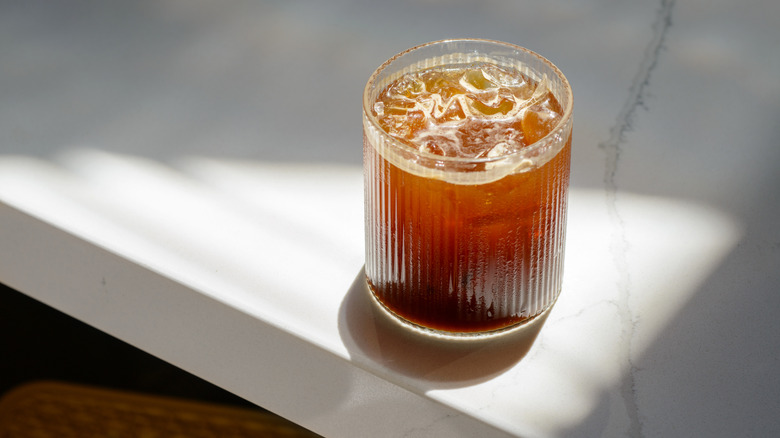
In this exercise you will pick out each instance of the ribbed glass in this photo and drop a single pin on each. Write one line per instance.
(465, 247)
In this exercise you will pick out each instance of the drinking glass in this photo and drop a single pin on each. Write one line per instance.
(467, 246)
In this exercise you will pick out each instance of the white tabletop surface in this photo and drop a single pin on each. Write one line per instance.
(186, 176)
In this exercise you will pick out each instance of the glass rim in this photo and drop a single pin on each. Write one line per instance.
(553, 135)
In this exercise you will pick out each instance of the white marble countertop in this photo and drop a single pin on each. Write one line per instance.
(186, 176)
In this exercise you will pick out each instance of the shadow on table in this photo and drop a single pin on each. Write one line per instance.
(380, 343)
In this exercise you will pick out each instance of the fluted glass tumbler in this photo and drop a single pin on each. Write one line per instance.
(466, 147)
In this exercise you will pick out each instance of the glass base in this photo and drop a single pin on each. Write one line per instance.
(457, 336)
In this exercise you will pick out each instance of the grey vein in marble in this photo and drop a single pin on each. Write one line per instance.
(619, 246)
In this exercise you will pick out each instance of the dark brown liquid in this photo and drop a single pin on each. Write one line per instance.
(467, 258)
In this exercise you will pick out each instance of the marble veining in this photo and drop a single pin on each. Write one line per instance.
(619, 245)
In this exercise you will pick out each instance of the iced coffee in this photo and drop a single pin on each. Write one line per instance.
(467, 149)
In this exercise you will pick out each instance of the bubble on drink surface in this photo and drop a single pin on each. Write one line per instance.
(379, 108)
(472, 111)
(498, 150)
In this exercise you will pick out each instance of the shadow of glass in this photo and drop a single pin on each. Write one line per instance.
(377, 341)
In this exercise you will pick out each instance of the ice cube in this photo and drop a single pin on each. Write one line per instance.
(473, 80)
(441, 83)
(454, 108)
(538, 121)
(501, 77)
(495, 106)
(408, 86)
